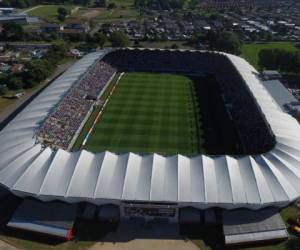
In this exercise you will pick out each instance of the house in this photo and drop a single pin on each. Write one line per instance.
(38, 54)
(4, 67)
(16, 18)
(16, 68)
(270, 74)
(7, 11)
(51, 27)
(75, 28)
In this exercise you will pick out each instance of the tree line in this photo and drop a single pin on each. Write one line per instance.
(35, 71)
(15, 32)
(29, 3)
(38, 70)
(160, 4)
(280, 59)
(220, 41)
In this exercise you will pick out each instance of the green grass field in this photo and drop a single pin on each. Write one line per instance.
(148, 113)
(250, 51)
(49, 12)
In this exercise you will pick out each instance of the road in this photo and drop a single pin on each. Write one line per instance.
(164, 236)
(5, 246)
(28, 10)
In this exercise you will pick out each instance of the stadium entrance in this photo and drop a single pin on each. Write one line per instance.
(149, 211)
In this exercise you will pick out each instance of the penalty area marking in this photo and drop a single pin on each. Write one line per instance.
(100, 112)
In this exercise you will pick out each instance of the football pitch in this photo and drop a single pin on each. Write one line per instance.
(149, 112)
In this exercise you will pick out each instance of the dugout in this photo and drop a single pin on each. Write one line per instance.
(53, 218)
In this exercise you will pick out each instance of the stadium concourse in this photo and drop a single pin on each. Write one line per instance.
(153, 185)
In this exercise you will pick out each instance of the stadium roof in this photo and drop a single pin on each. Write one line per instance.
(29, 169)
(279, 92)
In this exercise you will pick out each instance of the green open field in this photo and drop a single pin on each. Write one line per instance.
(49, 12)
(250, 51)
(148, 113)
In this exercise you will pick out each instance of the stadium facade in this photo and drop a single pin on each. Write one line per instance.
(28, 168)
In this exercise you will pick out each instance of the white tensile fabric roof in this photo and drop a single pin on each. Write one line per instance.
(28, 169)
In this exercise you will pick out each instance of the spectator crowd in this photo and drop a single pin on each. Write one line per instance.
(254, 133)
(60, 127)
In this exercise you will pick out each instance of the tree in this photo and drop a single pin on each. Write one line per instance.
(62, 13)
(119, 39)
(101, 3)
(280, 59)
(12, 31)
(193, 3)
(137, 44)
(3, 79)
(111, 6)
(292, 244)
(269, 37)
(37, 71)
(82, 2)
(267, 59)
(140, 3)
(21, 4)
(100, 39)
(174, 46)
(226, 41)
(57, 51)
(3, 89)
(15, 82)
(176, 4)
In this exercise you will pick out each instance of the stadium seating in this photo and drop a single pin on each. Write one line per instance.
(60, 127)
(255, 134)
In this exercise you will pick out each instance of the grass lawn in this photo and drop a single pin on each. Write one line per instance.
(124, 10)
(8, 99)
(33, 244)
(290, 211)
(250, 51)
(117, 14)
(49, 12)
(148, 113)
(4, 102)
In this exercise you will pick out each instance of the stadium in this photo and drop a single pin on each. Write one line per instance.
(220, 139)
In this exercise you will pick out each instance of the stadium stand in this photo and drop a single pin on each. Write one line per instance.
(28, 168)
(254, 132)
(61, 126)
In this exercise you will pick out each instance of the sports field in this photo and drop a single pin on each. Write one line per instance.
(49, 12)
(149, 113)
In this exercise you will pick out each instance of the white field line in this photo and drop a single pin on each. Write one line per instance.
(100, 112)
